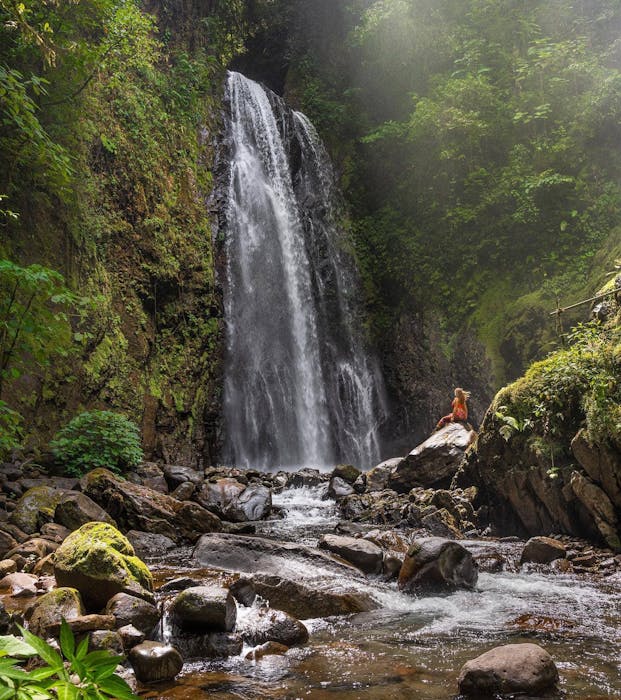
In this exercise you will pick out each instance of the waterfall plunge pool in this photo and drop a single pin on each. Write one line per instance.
(414, 647)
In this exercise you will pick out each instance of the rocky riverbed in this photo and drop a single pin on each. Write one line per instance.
(306, 584)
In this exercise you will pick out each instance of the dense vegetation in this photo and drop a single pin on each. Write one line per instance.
(476, 141)
(487, 130)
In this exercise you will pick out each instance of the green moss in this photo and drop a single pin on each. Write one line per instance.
(37, 502)
(100, 551)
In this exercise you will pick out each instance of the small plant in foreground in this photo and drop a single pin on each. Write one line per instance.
(74, 674)
(98, 439)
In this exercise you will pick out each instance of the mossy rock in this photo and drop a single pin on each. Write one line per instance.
(100, 562)
(51, 608)
(36, 507)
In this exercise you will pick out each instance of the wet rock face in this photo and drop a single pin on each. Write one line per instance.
(154, 661)
(515, 485)
(433, 563)
(100, 562)
(204, 608)
(513, 668)
(435, 461)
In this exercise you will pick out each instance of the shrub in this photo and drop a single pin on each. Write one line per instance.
(98, 439)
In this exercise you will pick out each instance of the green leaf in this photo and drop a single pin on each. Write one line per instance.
(116, 687)
(14, 646)
(43, 649)
(67, 640)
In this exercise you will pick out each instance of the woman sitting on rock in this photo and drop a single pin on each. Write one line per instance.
(460, 409)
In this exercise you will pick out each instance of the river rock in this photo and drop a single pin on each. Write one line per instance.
(204, 608)
(137, 507)
(148, 544)
(307, 477)
(312, 599)
(260, 625)
(176, 475)
(7, 566)
(154, 661)
(106, 640)
(362, 553)
(77, 509)
(347, 472)
(542, 550)
(55, 532)
(441, 524)
(513, 668)
(434, 563)
(339, 488)
(36, 507)
(19, 585)
(84, 623)
(433, 462)
(267, 649)
(100, 562)
(130, 636)
(234, 501)
(151, 475)
(184, 491)
(7, 542)
(377, 478)
(130, 610)
(51, 608)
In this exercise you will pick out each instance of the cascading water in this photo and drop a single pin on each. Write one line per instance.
(300, 388)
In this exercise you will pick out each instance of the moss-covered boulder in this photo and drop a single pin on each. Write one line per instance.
(100, 562)
(51, 608)
(36, 507)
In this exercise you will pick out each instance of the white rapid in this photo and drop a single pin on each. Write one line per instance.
(300, 387)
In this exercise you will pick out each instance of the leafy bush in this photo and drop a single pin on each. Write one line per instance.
(10, 430)
(74, 674)
(98, 439)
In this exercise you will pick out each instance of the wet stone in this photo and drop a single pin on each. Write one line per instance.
(155, 661)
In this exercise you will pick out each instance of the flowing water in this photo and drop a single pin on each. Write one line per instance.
(300, 386)
(413, 647)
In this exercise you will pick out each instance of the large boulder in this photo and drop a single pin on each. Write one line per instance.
(100, 562)
(36, 507)
(542, 550)
(236, 502)
(599, 507)
(137, 507)
(525, 669)
(303, 581)
(377, 478)
(363, 554)
(435, 461)
(433, 564)
(77, 509)
(205, 609)
(49, 610)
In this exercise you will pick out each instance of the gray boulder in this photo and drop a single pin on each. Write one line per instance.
(77, 509)
(131, 610)
(526, 669)
(260, 625)
(363, 554)
(542, 550)
(433, 563)
(435, 461)
(204, 608)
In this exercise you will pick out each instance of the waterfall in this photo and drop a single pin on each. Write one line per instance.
(300, 387)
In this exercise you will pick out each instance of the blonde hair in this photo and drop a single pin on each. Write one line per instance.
(462, 395)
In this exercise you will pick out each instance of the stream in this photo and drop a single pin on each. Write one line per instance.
(414, 647)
